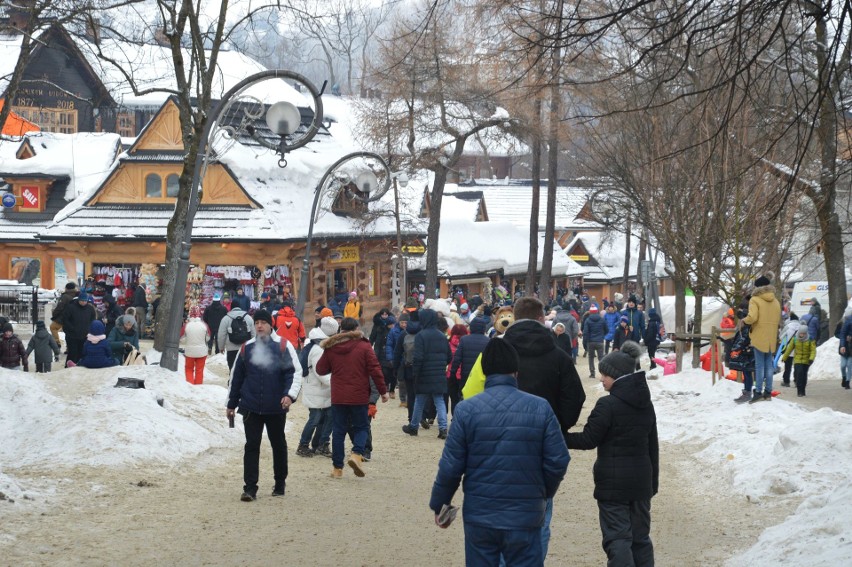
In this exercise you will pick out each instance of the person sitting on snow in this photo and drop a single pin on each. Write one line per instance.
(97, 352)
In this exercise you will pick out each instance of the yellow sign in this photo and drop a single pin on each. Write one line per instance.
(579, 257)
(414, 249)
(343, 255)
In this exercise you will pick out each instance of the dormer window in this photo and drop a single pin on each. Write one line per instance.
(158, 188)
(350, 202)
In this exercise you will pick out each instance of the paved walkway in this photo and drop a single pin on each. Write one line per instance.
(820, 394)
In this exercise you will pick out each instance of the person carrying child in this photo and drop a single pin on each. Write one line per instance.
(45, 346)
(12, 353)
(803, 350)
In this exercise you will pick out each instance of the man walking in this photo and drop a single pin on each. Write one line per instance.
(594, 333)
(351, 361)
(261, 387)
(56, 317)
(545, 371)
(76, 319)
(235, 329)
(509, 448)
(431, 356)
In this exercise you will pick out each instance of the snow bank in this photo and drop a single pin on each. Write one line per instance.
(773, 449)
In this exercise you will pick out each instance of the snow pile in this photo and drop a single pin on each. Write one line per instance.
(826, 365)
(770, 449)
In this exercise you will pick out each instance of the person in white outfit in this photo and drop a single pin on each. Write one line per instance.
(317, 395)
(196, 333)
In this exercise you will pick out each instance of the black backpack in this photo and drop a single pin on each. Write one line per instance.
(303, 358)
(238, 331)
(742, 355)
(408, 349)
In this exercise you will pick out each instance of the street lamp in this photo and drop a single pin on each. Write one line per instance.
(373, 181)
(241, 107)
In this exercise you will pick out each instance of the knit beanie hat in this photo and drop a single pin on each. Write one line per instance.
(82, 296)
(763, 280)
(326, 312)
(8, 327)
(619, 363)
(499, 357)
(262, 315)
(70, 285)
(39, 324)
(404, 316)
(328, 325)
(96, 328)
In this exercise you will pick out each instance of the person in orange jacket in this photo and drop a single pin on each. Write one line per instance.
(290, 327)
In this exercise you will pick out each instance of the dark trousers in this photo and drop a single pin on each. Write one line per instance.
(607, 346)
(788, 368)
(519, 548)
(389, 376)
(213, 345)
(75, 349)
(231, 356)
(625, 527)
(800, 376)
(652, 352)
(592, 350)
(453, 395)
(254, 424)
(42, 367)
(318, 427)
(411, 393)
(342, 417)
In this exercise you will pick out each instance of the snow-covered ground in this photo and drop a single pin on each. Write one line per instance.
(766, 451)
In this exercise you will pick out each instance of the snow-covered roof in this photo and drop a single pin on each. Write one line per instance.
(466, 247)
(607, 249)
(511, 202)
(10, 49)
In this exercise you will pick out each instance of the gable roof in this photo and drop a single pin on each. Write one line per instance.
(606, 256)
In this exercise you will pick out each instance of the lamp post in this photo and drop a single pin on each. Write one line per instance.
(282, 118)
(374, 180)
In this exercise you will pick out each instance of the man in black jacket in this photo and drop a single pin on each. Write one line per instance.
(140, 304)
(431, 356)
(213, 315)
(547, 372)
(76, 318)
(56, 318)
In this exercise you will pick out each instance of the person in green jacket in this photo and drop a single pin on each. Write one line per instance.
(123, 339)
(803, 351)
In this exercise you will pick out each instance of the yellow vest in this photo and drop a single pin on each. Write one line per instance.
(475, 381)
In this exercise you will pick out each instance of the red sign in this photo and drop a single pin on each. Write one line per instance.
(29, 198)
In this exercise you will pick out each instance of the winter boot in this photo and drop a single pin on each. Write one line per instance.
(442, 434)
(410, 430)
(355, 463)
(279, 489)
(248, 497)
(744, 397)
(324, 450)
(757, 397)
(336, 473)
(767, 396)
(845, 384)
(304, 451)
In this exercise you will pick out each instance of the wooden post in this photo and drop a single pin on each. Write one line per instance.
(714, 359)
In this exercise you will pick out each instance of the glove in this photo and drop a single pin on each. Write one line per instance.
(372, 410)
(56, 358)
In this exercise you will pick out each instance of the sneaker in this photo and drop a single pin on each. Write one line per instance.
(248, 497)
(442, 434)
(757, 397)
(744, 397)
(278, 490)
(410, 430)
(336, 473)
(425, 424)
(354, 462)
(367, 456)
(767, 396)
(304, 451)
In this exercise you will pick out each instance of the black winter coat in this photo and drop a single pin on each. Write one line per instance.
(139, 298)
(64, 300)
(652, 332)
(379, 336)
(469, 349)
(594, 328)
(623, 427)
(213, 315)
(547, 371)
(431, 356)
(76, 320)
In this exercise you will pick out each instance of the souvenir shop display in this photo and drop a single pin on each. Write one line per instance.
(277, 278)
(118, 279)
(195, 290)
(227, 279)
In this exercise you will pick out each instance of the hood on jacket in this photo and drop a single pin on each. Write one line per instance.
(593, 317)
(287, 311)
(530, 338)
(632, 389)
(428, 319)
(377, 318)
(316, 334)
(343, 343)
(653, 315)
(764, 292)
(97, 328)
(479, 325)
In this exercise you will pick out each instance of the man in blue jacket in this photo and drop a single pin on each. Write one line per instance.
(503, 442)
(260, 387)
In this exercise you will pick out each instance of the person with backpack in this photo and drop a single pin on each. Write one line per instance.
(403, 358)
(383, 324)
(236, 329)
(394, 335)
(316, 394)
(289, 327)
(803, 351)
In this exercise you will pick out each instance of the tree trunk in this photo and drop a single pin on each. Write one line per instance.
(626, 274)
(696, 329)
(535, 146)
(680, 318)
(552, 174)
(434, 228)
(640, 283)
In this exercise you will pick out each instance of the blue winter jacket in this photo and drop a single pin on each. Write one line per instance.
(390, 344)
(813, 325)
(846, 336)
(470, 347)
(432, 354)
(262, 375)
(509, 448)
(97, 355)
(594, 328)
(611, 324)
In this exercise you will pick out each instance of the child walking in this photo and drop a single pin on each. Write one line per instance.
(45, 346)
(803, 351)
(12, 353)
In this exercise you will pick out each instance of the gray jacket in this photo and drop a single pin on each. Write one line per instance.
(222, 336)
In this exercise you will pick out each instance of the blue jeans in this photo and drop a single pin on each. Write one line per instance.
(420, 402)
(486, 546)
(342, 417)
(748, 380)
(846, 367)
(318, 426)
(764, 368)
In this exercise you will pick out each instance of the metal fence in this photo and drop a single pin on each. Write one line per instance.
(21, 306)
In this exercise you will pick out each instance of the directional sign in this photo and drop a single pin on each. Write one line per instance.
(414, 249)
(9, 200)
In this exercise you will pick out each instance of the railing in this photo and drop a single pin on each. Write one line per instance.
(21, 306)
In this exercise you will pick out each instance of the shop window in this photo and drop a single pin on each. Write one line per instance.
(172, 185)
(340, 282)
(153, 186)
(26, 270)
